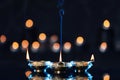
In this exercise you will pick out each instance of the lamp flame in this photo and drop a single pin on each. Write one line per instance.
(27, 55)
(92, 58)
(60, 57)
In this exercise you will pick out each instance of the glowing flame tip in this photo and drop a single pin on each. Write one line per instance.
(27, 55)
(92, 58)
(60, 57)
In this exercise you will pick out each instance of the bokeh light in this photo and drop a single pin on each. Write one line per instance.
(67, 46)
(56, 47)
(3, 39)
(106, 77)
(53, 38)
(29, 23)
(27, 73)
(15, 46)
(25, 44)
(103, 46)
(106, 24)
(79, 40)
(42, 36)
(35, 45)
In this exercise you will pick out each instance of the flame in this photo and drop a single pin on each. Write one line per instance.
(27, 55)
(60, 57)
(92, 58)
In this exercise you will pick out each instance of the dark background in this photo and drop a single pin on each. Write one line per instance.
(82, 17)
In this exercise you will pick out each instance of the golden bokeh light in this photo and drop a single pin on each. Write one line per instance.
(106, 24)
(3, 38)
(35, 45)
(67, 46)
(106, 77)
(79, 40)
(25, 44)
(103, 46)
(29, 23)
(56, 47)
(42, 36)
(15, 45)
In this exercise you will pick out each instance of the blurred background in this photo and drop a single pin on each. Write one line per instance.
(89, 27)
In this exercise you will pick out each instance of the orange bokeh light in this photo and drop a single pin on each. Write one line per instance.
(103, 46)
(35, 45)
(67, 45)
(15, 45)
(106, 24)
(42, 36)
(106, 77)
(3, 38)
(79, 40)
(29, 23)
(56, 46)
(25, 44)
